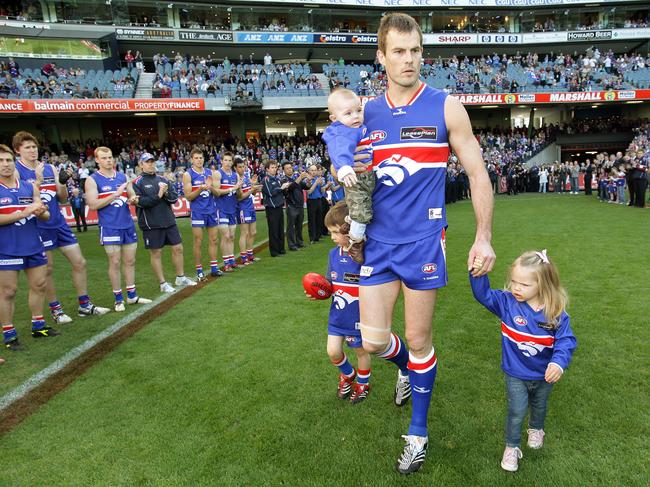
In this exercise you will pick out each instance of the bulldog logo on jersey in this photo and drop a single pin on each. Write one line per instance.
(393, 171)
(342, 299)
(530, 349)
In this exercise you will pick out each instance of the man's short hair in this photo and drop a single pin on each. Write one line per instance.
(21, 137)
(269, 163)
(239, 160)
(196, 150)
(5, 149)
(400, 22)
(228, 153)
(101, 148)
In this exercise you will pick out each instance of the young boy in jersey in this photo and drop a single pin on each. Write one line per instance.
(343, 325)
(342, 138)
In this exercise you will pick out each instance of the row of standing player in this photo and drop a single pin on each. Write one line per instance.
(108, 193)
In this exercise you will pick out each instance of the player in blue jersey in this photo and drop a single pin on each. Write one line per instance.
(54, 232)
(227, 183)
(343, 273)
(198, 189)
(412, 128)
(106, 192)
(20, 249)
(537, 342)
(246, 216)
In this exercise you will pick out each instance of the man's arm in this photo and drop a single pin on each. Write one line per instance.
(465, 145)
(144, 200)
(92, 195)
(187, 188)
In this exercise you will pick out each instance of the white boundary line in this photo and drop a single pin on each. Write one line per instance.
(40, 377)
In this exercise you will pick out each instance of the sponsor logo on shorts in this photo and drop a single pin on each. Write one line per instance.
(520, 320)
(351, 339)
(429, 268)
(377, 135)
(418, 133)
(365, 271)
(435, 213)
(11, 262)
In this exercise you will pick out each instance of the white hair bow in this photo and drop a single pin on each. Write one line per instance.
(542, 255)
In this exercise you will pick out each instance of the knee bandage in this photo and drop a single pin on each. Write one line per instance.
(376, 336)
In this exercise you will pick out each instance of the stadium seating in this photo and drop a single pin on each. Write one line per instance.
(95, 84)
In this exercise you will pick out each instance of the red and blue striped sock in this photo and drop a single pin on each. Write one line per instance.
(119, 297)
(243, 256)
(199, 269)
(422, 375)
(396, 353)
(84, 301)
(8, 333)
(345, 367)
(38, 322)
(363, 376)
(131, 292)
(214, 265)
(55, 308)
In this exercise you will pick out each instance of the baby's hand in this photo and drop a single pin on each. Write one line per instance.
(349, 180)
(553, 373)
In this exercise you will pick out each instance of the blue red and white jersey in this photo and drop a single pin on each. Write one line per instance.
(227, 203)
(48, 193)
(343, 272)
(339, 194)
(410, 153)
(342, 142)
(204, 202)
(247, 204)
(528, 342)
(116, 215)
(22, 237)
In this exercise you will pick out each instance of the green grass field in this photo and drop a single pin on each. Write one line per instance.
(233, 386)
(14, 46)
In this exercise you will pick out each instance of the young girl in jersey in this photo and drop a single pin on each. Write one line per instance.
(537, 343)
(343, 273)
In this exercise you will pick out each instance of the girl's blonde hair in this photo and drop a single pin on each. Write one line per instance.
(552, 295)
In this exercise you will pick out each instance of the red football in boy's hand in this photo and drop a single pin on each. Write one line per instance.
(317, 286)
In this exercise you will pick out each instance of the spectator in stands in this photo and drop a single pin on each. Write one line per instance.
(48, 69)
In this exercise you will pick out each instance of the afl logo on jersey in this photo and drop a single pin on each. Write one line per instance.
(107, 188)
(418, 133)
(520, 320)
(333, 275)
(377, 135)
(5, 201)
(429, 268)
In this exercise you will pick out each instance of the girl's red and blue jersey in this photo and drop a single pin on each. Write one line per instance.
(204, 203)
(528, 342)
(48, 194)
(227, 204)
(247, 204)
(116, 215)
(410, 153)
(21, 238)
(343, 272)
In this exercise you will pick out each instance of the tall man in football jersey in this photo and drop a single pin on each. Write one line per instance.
(226, 183)
(412, 128)
(198, 189)
(54, 232)
(106, 192)
(21, 248)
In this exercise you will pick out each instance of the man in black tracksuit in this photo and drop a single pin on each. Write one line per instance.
(273, 198)
(295, 198)
(154, 196)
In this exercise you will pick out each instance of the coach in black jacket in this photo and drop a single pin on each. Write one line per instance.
(295, 196)
(273, 197)
(153, 198)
